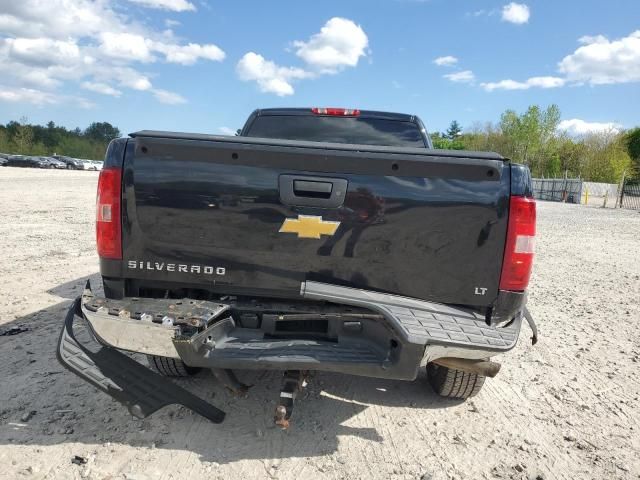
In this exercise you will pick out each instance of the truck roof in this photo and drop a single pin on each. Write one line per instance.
(363, 113)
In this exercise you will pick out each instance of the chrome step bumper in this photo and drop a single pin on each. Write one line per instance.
(405, 334)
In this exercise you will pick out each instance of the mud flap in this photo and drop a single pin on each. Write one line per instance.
(138, 388)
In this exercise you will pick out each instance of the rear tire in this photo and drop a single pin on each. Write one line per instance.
(170, 367)
(451, 383)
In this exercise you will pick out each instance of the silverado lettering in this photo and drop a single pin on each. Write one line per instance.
(175, 267)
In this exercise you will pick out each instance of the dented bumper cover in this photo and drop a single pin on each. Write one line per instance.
(397, 336)
(392, 340)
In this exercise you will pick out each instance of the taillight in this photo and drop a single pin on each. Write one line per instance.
(108, 231)
(341, 112)
(518, 254)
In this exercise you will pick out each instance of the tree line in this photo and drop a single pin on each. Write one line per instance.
(533, 138)
(26, 139)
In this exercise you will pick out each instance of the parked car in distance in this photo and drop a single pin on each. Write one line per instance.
(86, 164)
(20, 161)
(94, 165)
(71, 163)
(52, 163)
(40, 162)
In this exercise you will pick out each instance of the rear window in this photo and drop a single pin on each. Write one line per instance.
(360, 130)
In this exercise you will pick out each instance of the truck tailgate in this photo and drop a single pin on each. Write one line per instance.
(239, 216)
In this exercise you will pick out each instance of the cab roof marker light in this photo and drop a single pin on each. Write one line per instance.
(338, 112)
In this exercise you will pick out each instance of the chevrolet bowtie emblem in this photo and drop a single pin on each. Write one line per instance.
(309, 226)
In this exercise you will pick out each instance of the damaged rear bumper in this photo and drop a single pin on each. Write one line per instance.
(138, 388)
(372, 334)
(392, 339)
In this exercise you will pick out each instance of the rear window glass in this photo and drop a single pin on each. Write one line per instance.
(365, 131)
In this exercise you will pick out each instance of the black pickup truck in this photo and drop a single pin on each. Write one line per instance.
(316, 239)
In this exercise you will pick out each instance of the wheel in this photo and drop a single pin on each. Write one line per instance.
(170, 367)
(451, 383)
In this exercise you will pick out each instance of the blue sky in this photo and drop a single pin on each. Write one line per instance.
(203, 66)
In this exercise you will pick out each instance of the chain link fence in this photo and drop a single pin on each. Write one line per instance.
(558, 189)
(630, 194)
(574, 190)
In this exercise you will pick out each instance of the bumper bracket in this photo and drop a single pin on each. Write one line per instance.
(132, 384)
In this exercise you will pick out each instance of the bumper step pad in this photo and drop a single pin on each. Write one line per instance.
(138, 388)
(423, 322)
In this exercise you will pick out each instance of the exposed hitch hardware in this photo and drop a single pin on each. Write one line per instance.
(292, 382)
(481, 367)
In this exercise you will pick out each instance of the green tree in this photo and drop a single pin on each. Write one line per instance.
(23, 137)
(454, 130)
(4, 140)
(441, 141)
(101, 132)
(51, 136)
(605, 157)
(530, 137)
(632, 142)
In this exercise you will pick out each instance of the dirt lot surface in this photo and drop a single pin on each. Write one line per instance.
(566, 408)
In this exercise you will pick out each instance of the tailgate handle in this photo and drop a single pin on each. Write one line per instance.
(307, 191)
(305, 188)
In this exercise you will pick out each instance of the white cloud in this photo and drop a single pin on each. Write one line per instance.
(466, 76)
(39, 98)
(601, 61)
(170, 98)
(339, 44)
(61, 19)
(517, 13)
(102, 88)
(546, 82)
(48, 44)
(137, 83)
(271, 78)
(126, 46)
(39, 78)
(170, 23)
(227, 131)
(42, 51)
(533, 82)
(578, 127)
(124, 76)
(447, 61)
(172, 5)
(189, 54)
(26, 95)
(136, 47)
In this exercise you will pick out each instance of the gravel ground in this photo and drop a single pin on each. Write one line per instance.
(566, 408)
